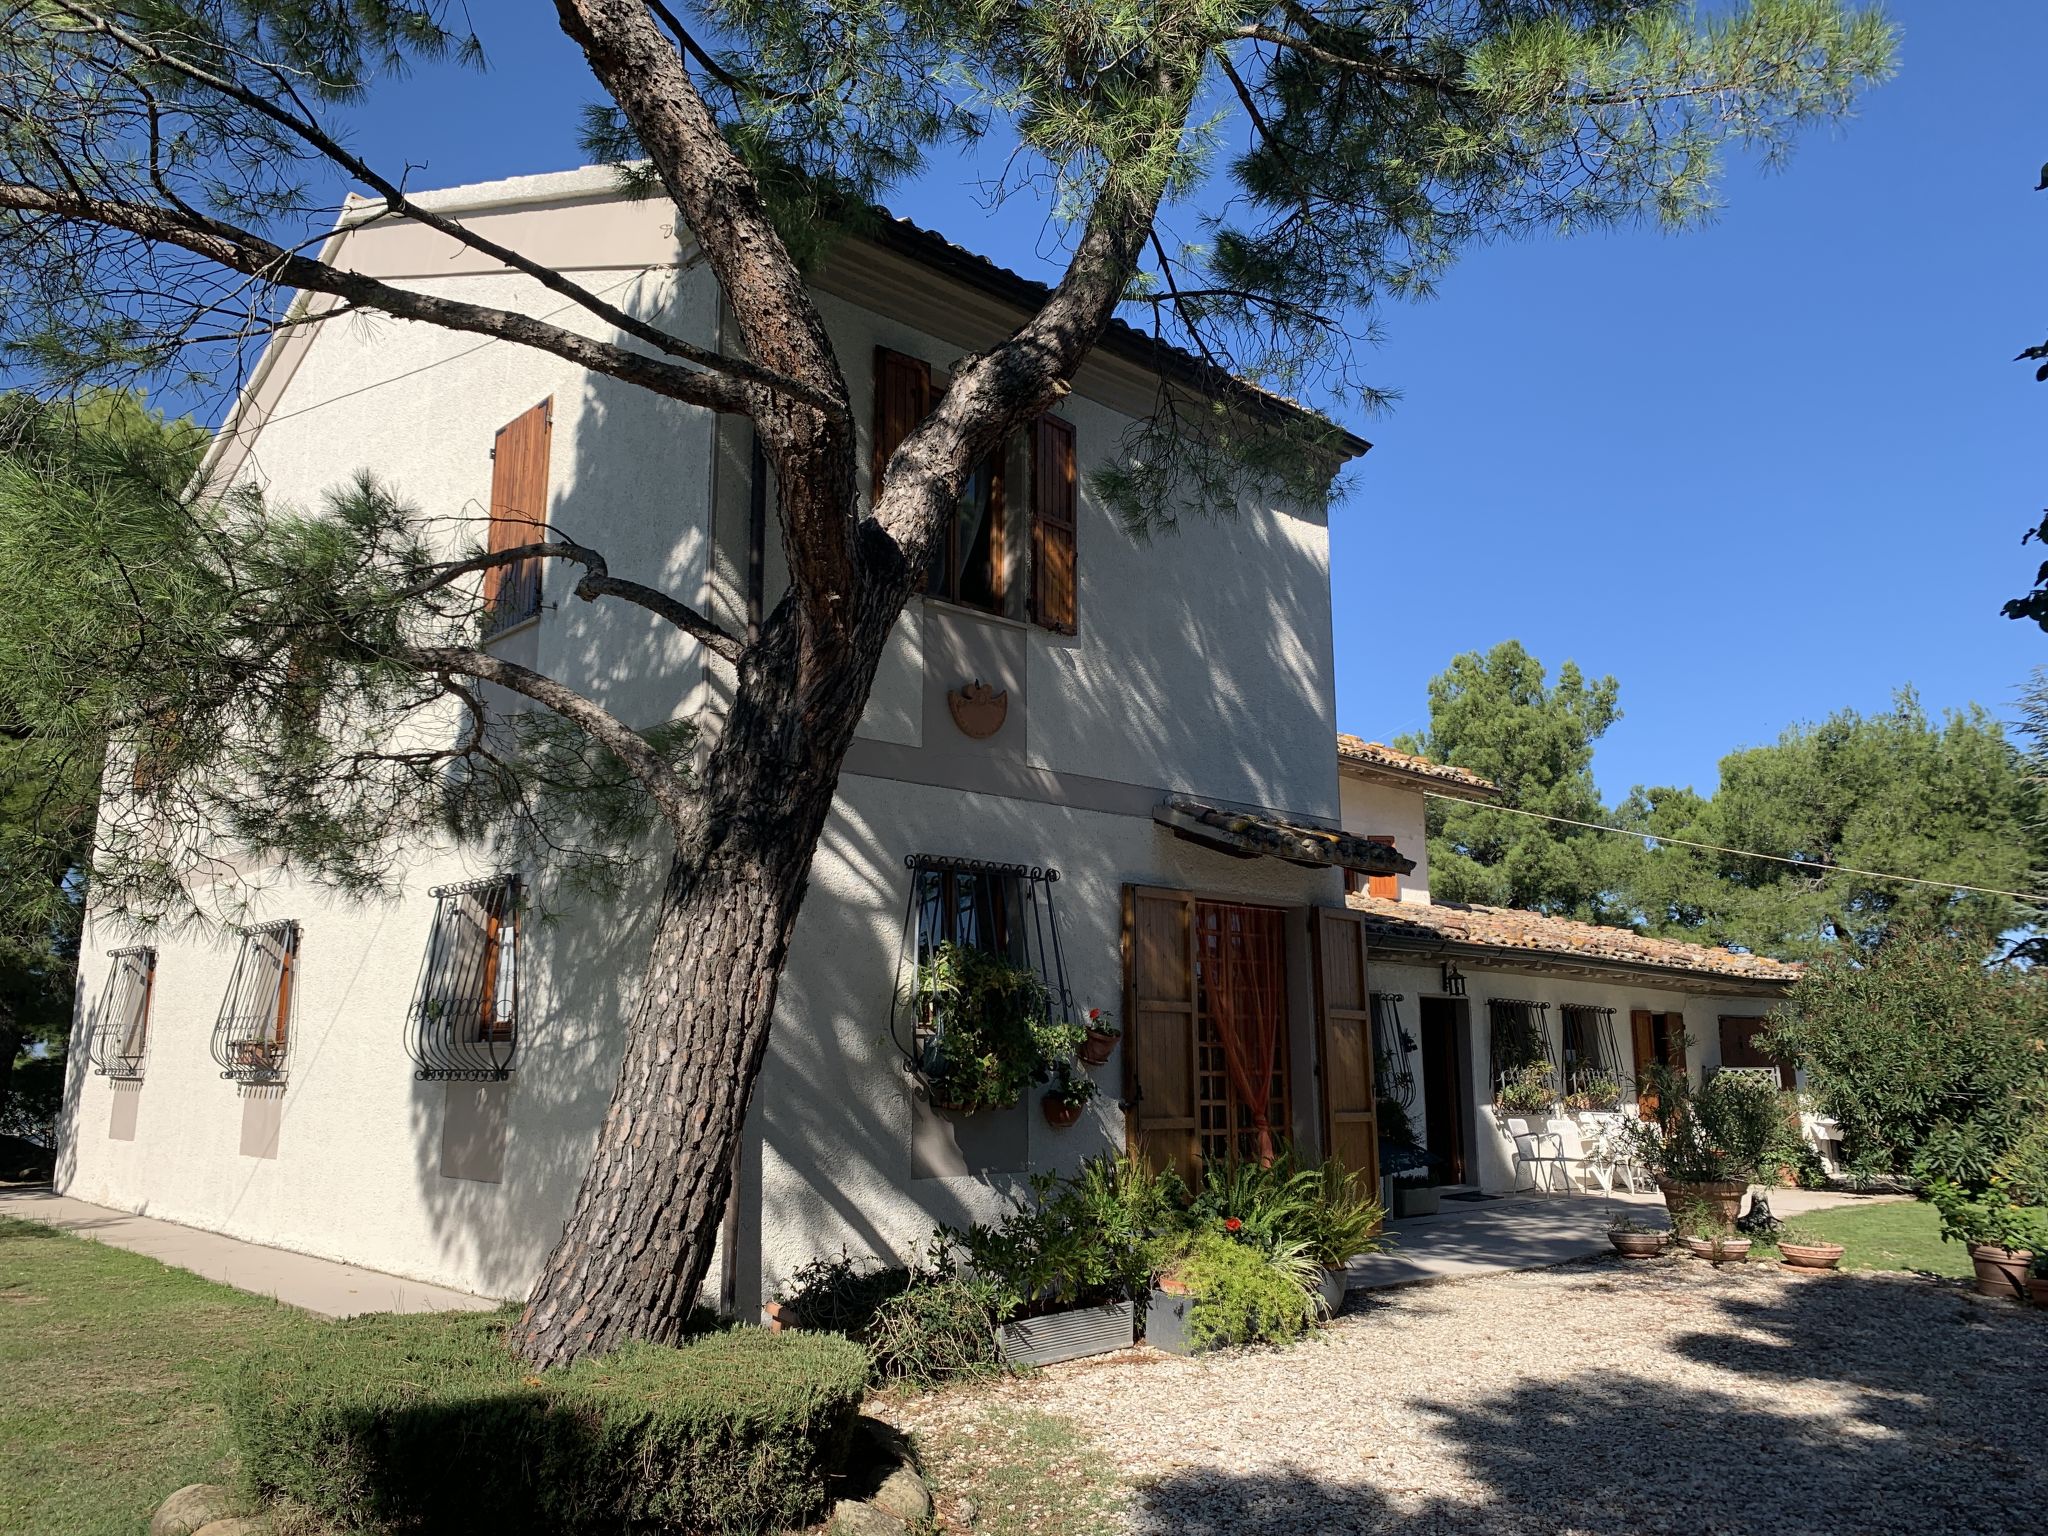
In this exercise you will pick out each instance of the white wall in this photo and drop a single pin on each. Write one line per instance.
(1382, 810)
(1494, 1168)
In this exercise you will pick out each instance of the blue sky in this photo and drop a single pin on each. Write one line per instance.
(1758, 472)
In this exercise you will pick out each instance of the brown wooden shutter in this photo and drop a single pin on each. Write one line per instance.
(1642, 1031)
(1344, 1022)
(1386, 886)
(903, 398)
(1159, 1029)
(1055, 572)
(519, 511)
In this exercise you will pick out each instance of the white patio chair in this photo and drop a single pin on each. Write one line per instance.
(1536, 1150)
(1574, 1158)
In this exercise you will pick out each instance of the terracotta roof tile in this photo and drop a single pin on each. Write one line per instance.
(1261, 832)
(1507, 928)
(1375, 754)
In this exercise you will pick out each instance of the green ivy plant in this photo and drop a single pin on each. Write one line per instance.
(992, 1033)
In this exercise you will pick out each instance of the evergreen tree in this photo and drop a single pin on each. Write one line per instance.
(1497, 715)
(162, 178)
(1894, 793)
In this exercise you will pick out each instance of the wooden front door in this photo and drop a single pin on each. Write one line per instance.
(1657, 1037)
(1344, 1026)
(1443, 1088)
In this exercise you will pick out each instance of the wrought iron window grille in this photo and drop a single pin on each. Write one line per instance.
(1006, 909)
(1394, 1049)
(1589, 1048)
(517, 598)
(1519, 1034)
(120, 1037)
(252, 1036)
(463, 1025)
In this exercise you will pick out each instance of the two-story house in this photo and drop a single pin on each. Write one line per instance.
(1055, 761)
(1463, 995)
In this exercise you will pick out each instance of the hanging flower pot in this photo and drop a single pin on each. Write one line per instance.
(1101, 1038)
(1068, 1096)
(1058, 1112)
(988, 1030)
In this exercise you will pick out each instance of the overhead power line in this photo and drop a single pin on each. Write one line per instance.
(2032, 898)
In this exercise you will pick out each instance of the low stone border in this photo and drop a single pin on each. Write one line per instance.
(884, 1493)
(202, 1509)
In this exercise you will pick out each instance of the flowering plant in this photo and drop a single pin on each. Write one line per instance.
(1232, 1224)
(1101, 1022)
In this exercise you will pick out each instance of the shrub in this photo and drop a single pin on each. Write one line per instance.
(993, 1034)
(427, 1423)
(1722, 1132)
(919, 1326)
(1244, 1294)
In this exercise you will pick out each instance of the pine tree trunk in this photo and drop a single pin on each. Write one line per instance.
(639, 1242)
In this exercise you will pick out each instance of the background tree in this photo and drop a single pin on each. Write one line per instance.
(163, 178)
(2034, 604)
(1497, 715)
(1895, 793)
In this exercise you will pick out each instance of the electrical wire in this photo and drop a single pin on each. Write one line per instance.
(2033, 898)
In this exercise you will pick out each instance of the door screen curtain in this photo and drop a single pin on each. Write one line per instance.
(1242, 963)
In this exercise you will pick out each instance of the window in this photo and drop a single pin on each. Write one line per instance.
(1657, 1038)
(252, 1036)
(1739, 1049)
(971, 564)
(1386, 887)
(1243, 1103)
(120, 1040)
(519, 514)
(1588, 1044)
(1518, 1033)
(464, 1023)
(1005, 909)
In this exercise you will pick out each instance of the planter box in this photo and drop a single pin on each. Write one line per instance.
(1166, 1321)
(1332, 1288)
(1417, 1199)
(1068, 1335)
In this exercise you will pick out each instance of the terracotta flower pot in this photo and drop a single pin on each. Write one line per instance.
(1637, 1245)
(1718, 1250)
(1096, 1048)
(2037, 1289)
(1725, 1195)
(1811, 1255)
(2001, 1272)
(1060, 1113)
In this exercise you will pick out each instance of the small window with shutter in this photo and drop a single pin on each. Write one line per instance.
(519, 515)
(1055, 572)
(1357, 882)
(120, 1040)
(465, 1012)
(252, 1035)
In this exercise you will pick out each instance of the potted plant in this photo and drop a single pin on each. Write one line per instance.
(991, 1033)
(1069, 1094)
(1529, 1090)
(1341, 1222)
(1103, 1032)
(1702, 1227)
(2037, 1280)
(1704, 1145)
(1401, 1155)
(1999, 1235)
(1802, 1249)
(1635, 1240)
(1595, 1093)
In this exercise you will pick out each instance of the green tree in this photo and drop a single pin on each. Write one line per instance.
(1323, 157)
(1894, 793)
(49, 781)
(1497, 715)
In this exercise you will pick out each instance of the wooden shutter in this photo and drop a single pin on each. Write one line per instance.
(1055, 573)
(1344, 1024)
(1159, 1029)
(1642, 1031)
(1386, 886)
(519, 511)
(288, 944)
(1739, 1047)
(903, 398)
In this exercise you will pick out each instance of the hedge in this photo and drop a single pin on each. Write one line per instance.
(427, 1423)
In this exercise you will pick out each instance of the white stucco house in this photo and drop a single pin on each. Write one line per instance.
(1456, 987)
(1057, 745)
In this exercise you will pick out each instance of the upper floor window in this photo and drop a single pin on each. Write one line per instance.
(1357, 882)
(252, 1036)
(120, 1039)
(519, 514)
(464, 1023)
(973, 562)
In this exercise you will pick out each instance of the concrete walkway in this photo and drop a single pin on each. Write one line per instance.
(1531, 1231)
(318, 1285)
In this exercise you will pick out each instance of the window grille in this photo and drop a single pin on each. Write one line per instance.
(464, 1021)
(120, 1040)
(1005, 909)
(1589, 1049)
(1519, 1032)
(252, 1036)
(1393, 1050)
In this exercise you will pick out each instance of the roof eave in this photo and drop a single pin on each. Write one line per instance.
(1509, 957)
(1408, 778)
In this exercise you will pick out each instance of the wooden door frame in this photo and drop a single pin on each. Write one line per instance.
(1457, 1032)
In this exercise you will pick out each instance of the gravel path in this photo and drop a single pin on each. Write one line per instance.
(1600, 1398)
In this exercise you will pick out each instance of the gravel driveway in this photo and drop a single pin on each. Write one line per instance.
(1599, 1398)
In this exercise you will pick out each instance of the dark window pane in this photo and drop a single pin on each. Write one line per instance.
(975, 578)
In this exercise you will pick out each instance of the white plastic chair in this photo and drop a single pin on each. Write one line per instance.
(1535, 1150)
(1573, 1158)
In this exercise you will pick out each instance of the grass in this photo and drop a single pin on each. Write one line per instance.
(1901, 1236)
(113, 1371)
(1027, 1473)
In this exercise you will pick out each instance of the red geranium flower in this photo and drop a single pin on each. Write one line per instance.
(1232, 1224)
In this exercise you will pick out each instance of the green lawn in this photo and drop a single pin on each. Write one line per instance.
(1894, 1236)
(111, 1373)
